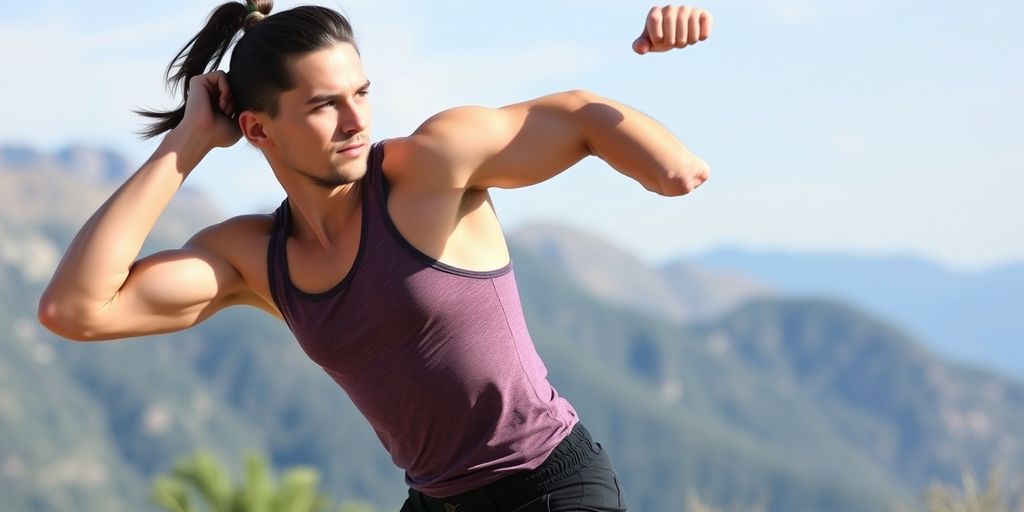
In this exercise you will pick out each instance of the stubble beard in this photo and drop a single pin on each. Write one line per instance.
(350, 173)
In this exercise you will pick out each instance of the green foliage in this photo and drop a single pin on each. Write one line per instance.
(995, 496)
(694, 503)
(355, 506)
(171, 494)
(970, 496)
(200, 478)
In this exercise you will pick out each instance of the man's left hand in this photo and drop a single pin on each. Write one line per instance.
(673, 26)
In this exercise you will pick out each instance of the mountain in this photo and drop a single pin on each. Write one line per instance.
(972, 317)
(968, 316)
(95, 165)
(831, 390)
(794, 403)
(54, 194)
(83, 426)
(893, 400)
(681, 292)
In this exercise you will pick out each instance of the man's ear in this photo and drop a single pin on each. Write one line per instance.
(251, 124)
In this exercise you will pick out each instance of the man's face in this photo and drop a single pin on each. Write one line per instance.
(322, 129)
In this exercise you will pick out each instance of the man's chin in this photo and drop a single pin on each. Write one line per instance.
(352, 166)
(351, 171)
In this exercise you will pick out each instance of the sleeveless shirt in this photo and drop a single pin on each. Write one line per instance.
(438, 359)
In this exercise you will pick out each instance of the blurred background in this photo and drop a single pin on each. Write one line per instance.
(832, 322)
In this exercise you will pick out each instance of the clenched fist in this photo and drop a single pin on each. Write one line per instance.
(673, 26)
(209, 108)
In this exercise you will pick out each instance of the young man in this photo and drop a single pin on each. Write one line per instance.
(386, 260)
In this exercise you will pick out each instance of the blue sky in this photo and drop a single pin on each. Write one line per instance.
(863, 127)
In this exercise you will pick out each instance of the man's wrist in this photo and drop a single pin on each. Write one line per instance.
(189, 147)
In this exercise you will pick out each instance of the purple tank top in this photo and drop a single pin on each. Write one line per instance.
(437, 358)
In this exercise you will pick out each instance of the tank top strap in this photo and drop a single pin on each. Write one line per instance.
(375, 176)
(276, 259)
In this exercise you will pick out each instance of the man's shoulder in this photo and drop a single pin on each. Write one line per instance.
(401, 155)
(422, 161)
(446, 133)
(450, 146)
(237, 235)
(242, 242)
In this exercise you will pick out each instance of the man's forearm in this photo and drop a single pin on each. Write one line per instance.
(639, 147)
(97, 263)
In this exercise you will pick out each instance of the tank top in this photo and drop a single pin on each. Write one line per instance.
(437, 358)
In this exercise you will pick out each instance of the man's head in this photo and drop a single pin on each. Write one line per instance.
(320, 128)
(278, 66)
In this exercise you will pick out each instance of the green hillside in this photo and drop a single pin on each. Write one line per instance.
(722, 430)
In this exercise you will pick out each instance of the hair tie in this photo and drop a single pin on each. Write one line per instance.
(254, 16)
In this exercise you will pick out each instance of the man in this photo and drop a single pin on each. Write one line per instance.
(386, 260)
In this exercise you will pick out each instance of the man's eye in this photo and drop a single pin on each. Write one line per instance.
(364, 92)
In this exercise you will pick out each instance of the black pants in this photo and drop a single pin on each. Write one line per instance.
(577, 476)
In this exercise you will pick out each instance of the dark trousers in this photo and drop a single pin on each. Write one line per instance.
(577, 476)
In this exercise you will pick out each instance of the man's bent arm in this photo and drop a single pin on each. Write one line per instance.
(639, 147)
(527, 143)
(99, 292)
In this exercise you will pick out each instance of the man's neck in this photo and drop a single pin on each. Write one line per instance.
(320, 214)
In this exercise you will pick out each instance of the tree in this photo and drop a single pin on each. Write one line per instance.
(200, 478)
(971, 497)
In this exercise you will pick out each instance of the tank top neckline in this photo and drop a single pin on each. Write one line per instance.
(374, 192)
(360, 250)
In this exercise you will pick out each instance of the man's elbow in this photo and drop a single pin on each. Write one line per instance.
(682, 181)
(60, 321)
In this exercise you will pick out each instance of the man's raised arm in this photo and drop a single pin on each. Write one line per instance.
(98, 291)
(527, 143)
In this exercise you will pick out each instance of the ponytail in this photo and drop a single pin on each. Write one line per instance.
(210, 44)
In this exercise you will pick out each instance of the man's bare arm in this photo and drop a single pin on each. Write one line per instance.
(97, 292)
(527, 143)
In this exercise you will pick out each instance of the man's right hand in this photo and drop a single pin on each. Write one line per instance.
(217, 125)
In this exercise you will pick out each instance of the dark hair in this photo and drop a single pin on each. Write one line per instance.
(258, 73)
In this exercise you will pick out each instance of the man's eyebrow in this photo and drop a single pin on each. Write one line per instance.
(320, 98)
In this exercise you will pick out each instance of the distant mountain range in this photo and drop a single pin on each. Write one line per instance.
(95, 165)
(731, 389)
(680, 292)
(973, 317)
(803, 376)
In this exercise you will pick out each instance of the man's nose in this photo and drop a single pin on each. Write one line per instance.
(353, 120)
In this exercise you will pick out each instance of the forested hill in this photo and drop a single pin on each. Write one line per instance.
(796, 404)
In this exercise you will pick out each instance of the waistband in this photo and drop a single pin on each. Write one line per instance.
(574, 452)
